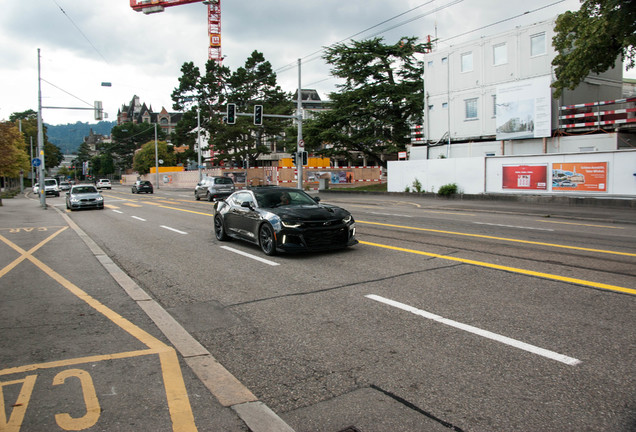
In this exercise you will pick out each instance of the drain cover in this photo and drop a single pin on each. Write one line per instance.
(351, 429)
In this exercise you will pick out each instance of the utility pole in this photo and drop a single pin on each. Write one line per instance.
(156, 159)
(40, 141)
(300, 145)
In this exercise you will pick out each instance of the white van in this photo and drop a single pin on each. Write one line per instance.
(51, 188)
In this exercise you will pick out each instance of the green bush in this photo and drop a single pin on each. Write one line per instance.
(447, 190)
(417, 186)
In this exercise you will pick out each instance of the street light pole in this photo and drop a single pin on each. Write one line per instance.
(156, 159)
(199, 141)
(299, 113)
(40, 141)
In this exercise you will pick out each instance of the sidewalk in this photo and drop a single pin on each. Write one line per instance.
(69, 315)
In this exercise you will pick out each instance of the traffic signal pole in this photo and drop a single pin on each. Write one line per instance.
(300, 145)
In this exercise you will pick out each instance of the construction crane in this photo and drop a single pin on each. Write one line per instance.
(214, 19)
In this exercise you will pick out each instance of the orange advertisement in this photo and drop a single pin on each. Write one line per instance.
(580, 177)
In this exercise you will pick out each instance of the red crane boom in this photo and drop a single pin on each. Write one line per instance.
(214, 19)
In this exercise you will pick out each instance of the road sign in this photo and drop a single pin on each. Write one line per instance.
(301, 144)
(36, 162)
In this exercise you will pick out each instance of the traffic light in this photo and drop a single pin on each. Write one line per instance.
(299, 157)
(231, 113)
(258, 115)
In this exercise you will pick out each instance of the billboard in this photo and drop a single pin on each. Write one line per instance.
(524, 109)
(525, 177)
(580, 177)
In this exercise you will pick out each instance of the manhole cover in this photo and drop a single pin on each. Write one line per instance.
(351, 429)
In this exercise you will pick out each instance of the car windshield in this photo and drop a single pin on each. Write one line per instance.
(50, 182)
(270, 198)
(84, 189)
(223, 180)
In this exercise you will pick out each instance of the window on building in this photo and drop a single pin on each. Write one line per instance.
(471, 108)
(444, 105)
(444, 60)
(494, 105)
(537, 44)
(467, 62)
(430, 107)
(430, 63)
(499, 54)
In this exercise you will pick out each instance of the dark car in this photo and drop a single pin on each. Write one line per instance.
(84, 196)
(213, 188)
(142, 186)
(283, 219)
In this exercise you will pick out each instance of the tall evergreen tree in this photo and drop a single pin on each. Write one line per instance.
(381, 97)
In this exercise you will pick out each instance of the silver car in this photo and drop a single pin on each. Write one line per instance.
(84, 196)
(213, 188)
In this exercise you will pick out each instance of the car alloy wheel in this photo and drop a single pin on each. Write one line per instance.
(209, 196)
(219, 230)
(267, 240)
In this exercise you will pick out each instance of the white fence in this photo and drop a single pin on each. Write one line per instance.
(601, 174)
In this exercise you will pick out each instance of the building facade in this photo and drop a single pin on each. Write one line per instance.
(137, 112)
(467, 88)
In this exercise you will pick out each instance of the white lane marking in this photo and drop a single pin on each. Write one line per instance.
(117, 211)
(390, 214)
(173, 229)
(245, 254)
(138, 218)
(484, 333)
(513, 226)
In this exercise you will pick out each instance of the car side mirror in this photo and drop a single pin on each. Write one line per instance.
(247, 204)
(317, 199)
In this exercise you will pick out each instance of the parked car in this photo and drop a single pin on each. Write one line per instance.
(36, 188)
(213, 188)
(103, 184)
(84, 196)
(142, 186)
(64, 186)
(50, 187)
(283, 219)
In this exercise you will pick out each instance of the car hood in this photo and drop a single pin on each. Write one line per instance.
(310, 212)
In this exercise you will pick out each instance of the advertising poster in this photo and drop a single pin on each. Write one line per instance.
(525, 177)
(524, 109)
(580, 177)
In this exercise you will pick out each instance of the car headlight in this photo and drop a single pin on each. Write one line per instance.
(347, 219)
(289, 224)
(99, 198)
(74, 199)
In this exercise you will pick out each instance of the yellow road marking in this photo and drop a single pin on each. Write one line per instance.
(176, 393)
(509, 269)
(579, 224)
(187, 211)
(132, 204)
(501, 239)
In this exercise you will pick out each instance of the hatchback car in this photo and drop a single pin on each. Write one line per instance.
(103, 184)
(142, 186)
(213, 188)
(84, 196)
(283, 219)
(64, 186)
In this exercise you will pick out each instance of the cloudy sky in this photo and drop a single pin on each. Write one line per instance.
(86, 42)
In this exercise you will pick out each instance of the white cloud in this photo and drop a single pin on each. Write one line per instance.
(95, 41)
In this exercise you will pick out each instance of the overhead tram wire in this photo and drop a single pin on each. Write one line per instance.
(81, 32)
(428, 13)
(315, 55)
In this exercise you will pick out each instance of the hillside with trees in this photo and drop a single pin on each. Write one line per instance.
(70, 136)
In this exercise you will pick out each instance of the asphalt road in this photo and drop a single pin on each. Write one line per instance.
(467, 317)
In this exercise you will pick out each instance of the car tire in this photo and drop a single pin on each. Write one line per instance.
(132, 190)
(266, 239)
(219, 229)
(208, 196)
(196, 197)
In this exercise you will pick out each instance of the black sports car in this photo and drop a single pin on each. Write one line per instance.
(283, 219)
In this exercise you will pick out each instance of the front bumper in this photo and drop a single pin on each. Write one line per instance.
(315, 239)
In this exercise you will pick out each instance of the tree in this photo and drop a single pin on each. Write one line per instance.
(591, 39)
(13, 155)
(29, 125)
(380, 99)
(145, 158)
(129, 137)
(252, 84)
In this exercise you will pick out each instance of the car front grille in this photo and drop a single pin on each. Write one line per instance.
(319, 238)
